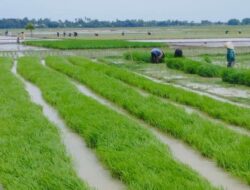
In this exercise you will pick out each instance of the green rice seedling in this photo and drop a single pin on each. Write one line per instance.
(141, 56)
(131, 153)
(32, 155)
(207, 59)
(229, 113)
(92, 44)
(237, 76)
(138, 56)
(229, 149)
(203, 69)
(195, 67)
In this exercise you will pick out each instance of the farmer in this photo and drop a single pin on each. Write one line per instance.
(18, 40)
(230, 54)
(178, 53)
(157, 55)
(22, 36)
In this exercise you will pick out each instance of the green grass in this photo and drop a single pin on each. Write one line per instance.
(228, 149)
(128, 150)
(92, 44)
(31, 153)
(229, 113)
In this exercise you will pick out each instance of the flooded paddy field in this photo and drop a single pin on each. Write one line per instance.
(125, 124)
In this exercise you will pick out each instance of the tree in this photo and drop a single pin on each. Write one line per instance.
(206, 22)
(246, 21)
(233, 22)
(30, 27)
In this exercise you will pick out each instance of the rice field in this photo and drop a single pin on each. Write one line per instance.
(92, 44)
(95, 114)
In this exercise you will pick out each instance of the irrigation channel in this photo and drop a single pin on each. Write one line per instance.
(182, 152)
(86, 164)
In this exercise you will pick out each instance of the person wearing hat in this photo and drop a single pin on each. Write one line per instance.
(157, 55)
(230, 54)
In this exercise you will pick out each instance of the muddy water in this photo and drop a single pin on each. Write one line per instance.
(182, 152)
(215, 89)
(8, 43)
(85, 162)
(211, 96)
(195, 91)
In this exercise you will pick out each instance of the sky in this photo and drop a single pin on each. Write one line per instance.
(190, 10)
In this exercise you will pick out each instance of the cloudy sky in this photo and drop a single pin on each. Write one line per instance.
(195, 10)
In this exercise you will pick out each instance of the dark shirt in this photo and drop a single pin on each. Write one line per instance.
(157, 52)
(230, 55)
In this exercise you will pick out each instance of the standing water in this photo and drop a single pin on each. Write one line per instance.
(85, 162)
(195, 91)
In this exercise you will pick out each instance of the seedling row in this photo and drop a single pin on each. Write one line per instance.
(211, 139)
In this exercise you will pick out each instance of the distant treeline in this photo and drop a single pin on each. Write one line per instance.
(89, 23)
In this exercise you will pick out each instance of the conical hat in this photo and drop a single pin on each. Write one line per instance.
(229, 45)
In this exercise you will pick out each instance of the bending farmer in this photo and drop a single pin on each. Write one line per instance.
(157, 55)
(230, 54)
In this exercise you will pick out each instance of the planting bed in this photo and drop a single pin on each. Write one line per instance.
(230, 150)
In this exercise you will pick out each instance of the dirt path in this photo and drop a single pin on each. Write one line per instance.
(182, 152)
(85, 162)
